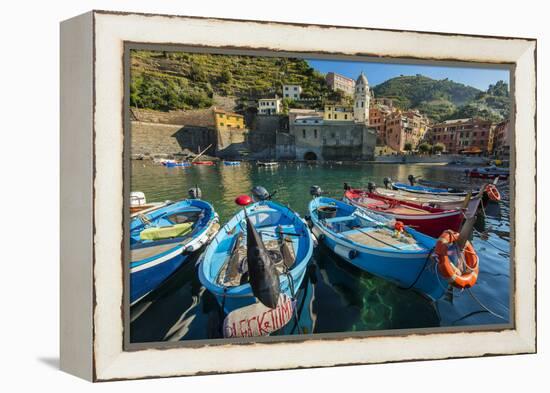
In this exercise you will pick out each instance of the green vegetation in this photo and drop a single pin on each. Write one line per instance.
(179, 80)
(444, 99)
(408, 146)
(424, 148)
(438, 148)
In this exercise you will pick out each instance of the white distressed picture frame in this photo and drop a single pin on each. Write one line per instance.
(92, 196)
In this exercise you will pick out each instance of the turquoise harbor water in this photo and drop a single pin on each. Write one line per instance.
(334, 296)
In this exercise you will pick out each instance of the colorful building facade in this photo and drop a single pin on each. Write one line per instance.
(471, 135)
(340, 82)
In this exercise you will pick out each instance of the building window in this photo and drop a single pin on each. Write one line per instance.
(362, 104)
(303, 133)
(221, 124)
(315, 133)
(345, 117)
(335, 116)
(286, 87)
(329, 115)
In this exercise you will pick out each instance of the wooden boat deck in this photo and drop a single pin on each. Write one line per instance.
(380, 238)
(147, 252)
(233, 270)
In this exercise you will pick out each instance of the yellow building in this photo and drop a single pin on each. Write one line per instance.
(228, 120)
(334, 112)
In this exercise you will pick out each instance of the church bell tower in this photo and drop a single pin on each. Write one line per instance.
(361, 100)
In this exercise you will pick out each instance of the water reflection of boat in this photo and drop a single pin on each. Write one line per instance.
(225, 270)
(231, 163)
(366, 241)
(162, 239)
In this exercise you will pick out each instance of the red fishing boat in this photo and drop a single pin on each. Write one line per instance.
(208, 163)
(429, 220)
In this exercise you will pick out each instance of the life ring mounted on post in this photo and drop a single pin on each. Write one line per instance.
(447, 268)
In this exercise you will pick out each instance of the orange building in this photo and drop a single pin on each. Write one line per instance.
(402, 128)
(226, 121)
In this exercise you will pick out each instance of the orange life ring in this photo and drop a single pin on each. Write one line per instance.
(446, 267)
(492, 192)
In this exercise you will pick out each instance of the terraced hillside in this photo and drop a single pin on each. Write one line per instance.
(176, 80)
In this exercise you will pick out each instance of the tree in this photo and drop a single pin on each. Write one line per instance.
(408, 146)
(424, 148)
(438, 148)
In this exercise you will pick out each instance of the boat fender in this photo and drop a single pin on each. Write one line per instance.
(446, 267)
(353, 254)
(492, 192)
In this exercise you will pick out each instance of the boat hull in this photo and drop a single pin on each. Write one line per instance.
(418, 189)
(480, 175)
(211, 262)
(415, 270)
(429, 223)
(439, 201)
(152, 262)
(143, 281)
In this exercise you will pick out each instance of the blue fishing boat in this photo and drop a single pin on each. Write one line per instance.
(420, 189)
(231, 163)
(175, 164)
(378, 245)
(162, 239)
(229, 270)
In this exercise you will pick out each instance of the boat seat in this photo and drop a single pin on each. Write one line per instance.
(340, 219)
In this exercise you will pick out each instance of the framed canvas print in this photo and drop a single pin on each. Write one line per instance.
(247, 195)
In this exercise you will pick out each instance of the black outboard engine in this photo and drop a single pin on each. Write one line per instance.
(387, 182)
(315, 191)
(195, 193)
(347, 186)
(412, 180)
(371, 186)
(259, 193)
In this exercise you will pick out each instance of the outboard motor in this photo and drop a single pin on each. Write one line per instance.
(347, 186)
(387, 182)
(371, 186)
(195, 193)
(315, 191)
(259, 193)
(412, 180)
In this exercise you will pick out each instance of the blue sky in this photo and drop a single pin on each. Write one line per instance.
(377, 73)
